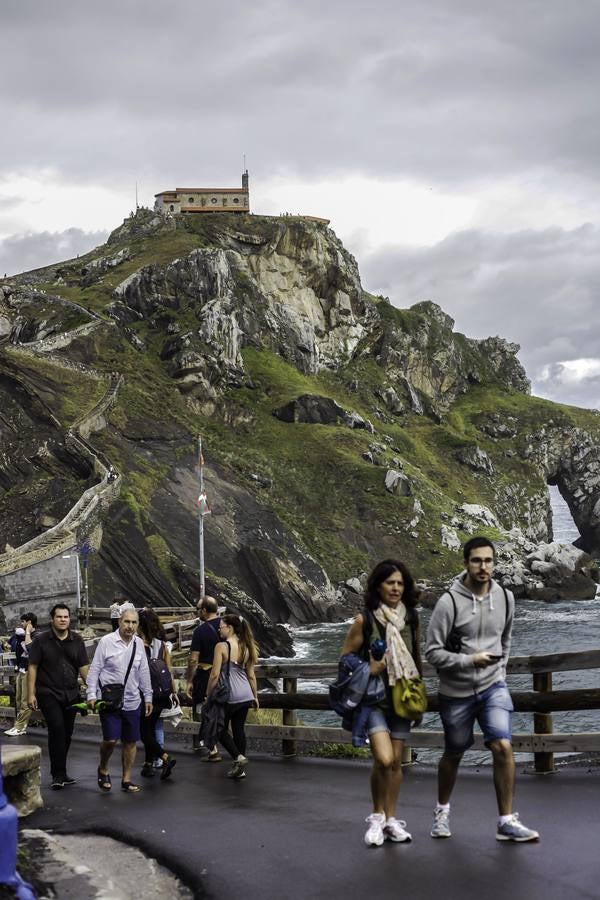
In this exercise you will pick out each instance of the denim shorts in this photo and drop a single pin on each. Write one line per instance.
(122, 725)
(492, 708)
(382, 720)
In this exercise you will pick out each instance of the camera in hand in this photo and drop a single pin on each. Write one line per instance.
(378, 649)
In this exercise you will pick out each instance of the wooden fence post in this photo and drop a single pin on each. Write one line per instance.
(542, 724)
(290, 717)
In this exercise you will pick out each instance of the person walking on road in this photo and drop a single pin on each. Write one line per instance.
(468, 642)
(152, 633)
(115, 613)
(57, 658)
(237, 654)
(120, 658)
(205, 638)
(24, 635)
(390, 614)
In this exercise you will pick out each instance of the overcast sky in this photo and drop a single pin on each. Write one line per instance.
(454, 144)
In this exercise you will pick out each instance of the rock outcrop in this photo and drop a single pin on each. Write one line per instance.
(246, 329)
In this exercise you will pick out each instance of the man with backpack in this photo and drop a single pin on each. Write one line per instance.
(468, 642)
(19, 644)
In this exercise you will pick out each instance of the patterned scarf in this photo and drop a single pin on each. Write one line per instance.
(400, 663)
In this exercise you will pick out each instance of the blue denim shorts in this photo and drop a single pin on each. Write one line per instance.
(381, 720)
(492, 708)
(122, 725)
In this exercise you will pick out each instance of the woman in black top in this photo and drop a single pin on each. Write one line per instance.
(391, 615)
(153, 634)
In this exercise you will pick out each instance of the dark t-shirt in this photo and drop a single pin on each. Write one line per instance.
(205, 638)
(58, 664)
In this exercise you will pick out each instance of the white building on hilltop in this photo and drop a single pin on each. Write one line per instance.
(204, 200)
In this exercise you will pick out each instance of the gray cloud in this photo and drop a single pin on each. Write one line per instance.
(22, 252)
(308, 87)
(457, 94)
(538, 288)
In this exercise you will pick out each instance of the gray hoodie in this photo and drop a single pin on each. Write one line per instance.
(483, 625)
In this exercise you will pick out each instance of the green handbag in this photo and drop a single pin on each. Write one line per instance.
(409, 698)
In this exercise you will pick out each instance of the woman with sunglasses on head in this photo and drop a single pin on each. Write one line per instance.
(237, 653)
(390, 615)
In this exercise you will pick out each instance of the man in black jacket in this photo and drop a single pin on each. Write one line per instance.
(56, 658)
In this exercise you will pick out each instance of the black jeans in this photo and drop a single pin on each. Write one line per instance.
(60, 719)
(236, 714)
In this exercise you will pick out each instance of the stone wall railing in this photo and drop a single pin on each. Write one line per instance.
(83, 517)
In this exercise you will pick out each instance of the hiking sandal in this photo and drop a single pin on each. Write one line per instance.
(129, 787)
(104, 782)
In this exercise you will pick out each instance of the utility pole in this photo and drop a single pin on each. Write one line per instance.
(203, 510)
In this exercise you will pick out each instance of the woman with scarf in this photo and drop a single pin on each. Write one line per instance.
(390, 614)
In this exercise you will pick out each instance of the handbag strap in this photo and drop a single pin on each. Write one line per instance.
(131, 658)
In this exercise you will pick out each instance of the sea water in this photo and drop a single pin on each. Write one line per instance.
(539, 628)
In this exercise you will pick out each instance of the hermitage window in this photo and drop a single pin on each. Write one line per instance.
(190, 199)
(213, 199)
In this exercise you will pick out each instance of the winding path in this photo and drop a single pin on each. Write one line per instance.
(94, 501)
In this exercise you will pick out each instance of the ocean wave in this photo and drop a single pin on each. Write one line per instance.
(321, 628)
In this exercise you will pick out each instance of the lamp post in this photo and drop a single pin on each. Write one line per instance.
(203, 510)
(85, 550)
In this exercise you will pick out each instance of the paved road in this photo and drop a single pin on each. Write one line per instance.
(294, 829)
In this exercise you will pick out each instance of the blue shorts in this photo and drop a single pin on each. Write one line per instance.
(492, 708)
(380, 720)
(123, 725)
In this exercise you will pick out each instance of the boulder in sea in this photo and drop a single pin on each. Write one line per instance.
(550, 572)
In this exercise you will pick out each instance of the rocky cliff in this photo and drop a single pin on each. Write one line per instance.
(337, 428)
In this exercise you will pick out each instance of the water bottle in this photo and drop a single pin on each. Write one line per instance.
(378, 649)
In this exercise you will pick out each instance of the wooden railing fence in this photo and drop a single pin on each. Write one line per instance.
(542, 701)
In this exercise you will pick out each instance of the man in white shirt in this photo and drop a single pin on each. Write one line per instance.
(110, 665)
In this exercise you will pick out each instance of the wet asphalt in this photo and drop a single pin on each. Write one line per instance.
(294, 829)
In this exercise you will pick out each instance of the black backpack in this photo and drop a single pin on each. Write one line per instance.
(160, 677)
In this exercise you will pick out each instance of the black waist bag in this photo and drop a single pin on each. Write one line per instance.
(113, 693)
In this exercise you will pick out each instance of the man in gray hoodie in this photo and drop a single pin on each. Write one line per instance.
(468, 641)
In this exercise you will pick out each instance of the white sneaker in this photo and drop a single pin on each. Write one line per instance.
(395, 830)
(15, 732)
(514, 830)
(441, 824)
(374, 836)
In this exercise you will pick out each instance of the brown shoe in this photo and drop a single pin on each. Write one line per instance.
(213, 756)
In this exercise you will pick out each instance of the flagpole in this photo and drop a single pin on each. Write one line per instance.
(201, 510)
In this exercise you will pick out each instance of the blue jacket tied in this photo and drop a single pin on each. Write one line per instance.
(353, 695)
